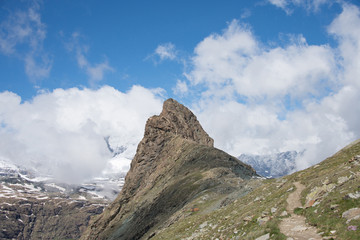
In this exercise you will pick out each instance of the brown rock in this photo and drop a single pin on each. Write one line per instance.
(175, 118)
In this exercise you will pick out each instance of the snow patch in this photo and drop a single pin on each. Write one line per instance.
(56, 186)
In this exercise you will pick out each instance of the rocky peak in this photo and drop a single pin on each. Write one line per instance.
(175, 121)
(175, 118)
(174, 162)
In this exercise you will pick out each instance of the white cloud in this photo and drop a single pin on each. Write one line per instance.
(288, 5)
(279, 3)
(22, 35)
(283, 4)
(346, 30)
(260, 99)
(236, 62)
(36, 68)
(62, 132)
(246, 13)
(94, 71)
(218, 57)
(181, 88)
(282, 71)
(97, 71)
(166, 51)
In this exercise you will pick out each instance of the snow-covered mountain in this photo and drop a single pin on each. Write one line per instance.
(274, 165)
(36, 207)
(105, 187)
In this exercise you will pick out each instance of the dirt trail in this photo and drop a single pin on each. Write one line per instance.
(295, 226)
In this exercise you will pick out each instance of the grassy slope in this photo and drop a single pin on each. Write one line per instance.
(239, 219)
(335, 171)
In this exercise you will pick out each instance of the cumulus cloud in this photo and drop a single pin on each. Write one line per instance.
(94, 71)
(263, 99)
(235, 62)
(62, 133)
(23, 29)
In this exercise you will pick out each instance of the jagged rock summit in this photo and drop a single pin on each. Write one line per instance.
(175, 163)
(176, 119)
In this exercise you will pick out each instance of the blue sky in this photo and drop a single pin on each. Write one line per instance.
(125, 35)
(262, 76)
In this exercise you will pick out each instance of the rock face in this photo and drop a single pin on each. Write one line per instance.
(174, 162)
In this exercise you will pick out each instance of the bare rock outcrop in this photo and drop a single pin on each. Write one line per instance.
(177, 119)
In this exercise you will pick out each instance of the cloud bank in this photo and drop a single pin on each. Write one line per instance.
(261, 100)
(62, 133)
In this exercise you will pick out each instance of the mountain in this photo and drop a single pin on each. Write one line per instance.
(180, 187)
(175, 163)
(37, 207)
(105, 187)
(272, 166)
(42, 210)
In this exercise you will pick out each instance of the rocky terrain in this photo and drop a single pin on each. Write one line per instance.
(174, 164)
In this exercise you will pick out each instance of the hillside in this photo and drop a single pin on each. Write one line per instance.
(330, 203)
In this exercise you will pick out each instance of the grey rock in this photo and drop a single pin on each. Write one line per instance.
(273, 210)
(264, 237)
(351, 214)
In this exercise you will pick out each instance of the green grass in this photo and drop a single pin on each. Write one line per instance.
(228, 222)
(299, 211)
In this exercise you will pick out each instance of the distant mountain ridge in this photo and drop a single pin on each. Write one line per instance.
(272, 165)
